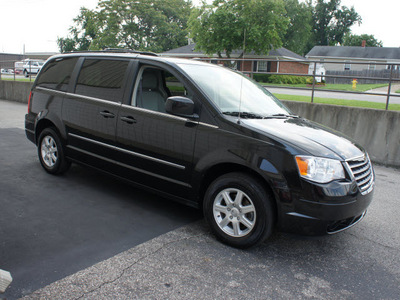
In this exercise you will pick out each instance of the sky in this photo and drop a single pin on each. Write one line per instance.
(36, 24)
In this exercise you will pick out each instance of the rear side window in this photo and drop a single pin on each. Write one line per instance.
(102, 79)
(57, 74)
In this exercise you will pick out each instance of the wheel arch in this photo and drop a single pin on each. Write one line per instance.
(43, 124)
(223, 168)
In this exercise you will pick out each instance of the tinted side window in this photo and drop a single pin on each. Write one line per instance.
(56, 74)
(102, 79)
(176, 87)
(154, 86)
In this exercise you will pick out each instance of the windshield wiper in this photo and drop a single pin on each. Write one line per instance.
(281, 116)
(245, 115)
(249, 115)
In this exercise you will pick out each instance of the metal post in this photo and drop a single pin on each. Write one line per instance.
(389, 87)
(313, 83)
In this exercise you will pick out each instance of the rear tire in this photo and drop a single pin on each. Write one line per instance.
(239, 210)
(51, 152)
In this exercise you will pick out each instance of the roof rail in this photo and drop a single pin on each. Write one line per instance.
(116, 50)
(121, 50)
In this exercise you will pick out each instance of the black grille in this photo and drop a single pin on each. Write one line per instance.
(361, 169)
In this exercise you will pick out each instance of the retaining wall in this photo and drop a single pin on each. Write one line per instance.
(15, 90)
(376, 130)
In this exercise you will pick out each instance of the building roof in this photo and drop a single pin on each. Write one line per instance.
(190, 50)
(355, 52)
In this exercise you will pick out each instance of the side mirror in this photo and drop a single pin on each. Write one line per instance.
(180, 106)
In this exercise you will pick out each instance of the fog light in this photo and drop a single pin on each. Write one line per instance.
(5, 280)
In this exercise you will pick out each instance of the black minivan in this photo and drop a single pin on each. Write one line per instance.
(200, 134)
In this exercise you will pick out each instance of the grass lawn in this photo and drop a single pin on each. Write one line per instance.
(340, 87)
(18, 79)
(342, 102)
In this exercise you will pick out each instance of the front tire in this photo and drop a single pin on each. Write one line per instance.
(239, 210)
(51, 152)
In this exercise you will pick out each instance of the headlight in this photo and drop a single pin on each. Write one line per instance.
(321, 170)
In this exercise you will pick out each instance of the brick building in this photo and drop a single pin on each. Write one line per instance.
(279, 60)
(7, 60)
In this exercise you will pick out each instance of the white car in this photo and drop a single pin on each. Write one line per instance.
(7, 71)
(32, 67)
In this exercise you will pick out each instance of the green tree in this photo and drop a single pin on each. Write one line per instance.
(299, 30)
(356, 40)
(82, 34)
(149, 25)
(249, 25)
(332, 21)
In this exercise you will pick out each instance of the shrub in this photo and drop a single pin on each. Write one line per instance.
(282, 79)
(261, 77)
(288, 79)
(309, 80)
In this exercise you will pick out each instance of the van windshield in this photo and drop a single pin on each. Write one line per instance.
(233, 92)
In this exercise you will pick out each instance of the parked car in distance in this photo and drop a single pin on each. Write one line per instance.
(200, 134)
(7, 71)
(32, 67)
(19, 67)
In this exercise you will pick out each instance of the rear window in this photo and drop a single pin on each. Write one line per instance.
(56, 74)
(102, 79)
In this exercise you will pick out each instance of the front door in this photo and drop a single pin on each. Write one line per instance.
(156, 147)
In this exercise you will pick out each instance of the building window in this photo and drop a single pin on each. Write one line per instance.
(262, 66)
(347, 66)
(372, 65)
(239, 65)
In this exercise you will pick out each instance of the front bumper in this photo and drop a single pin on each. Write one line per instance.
(333, 208)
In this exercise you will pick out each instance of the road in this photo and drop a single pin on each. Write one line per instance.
(335, 95)
(93, 237)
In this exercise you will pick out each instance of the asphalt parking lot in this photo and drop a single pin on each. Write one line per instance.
(52, 227)
(86, 235)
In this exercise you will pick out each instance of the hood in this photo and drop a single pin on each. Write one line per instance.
(314, 138)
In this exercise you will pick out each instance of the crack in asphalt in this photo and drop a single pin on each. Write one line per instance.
(135, 263)
(373, 241)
